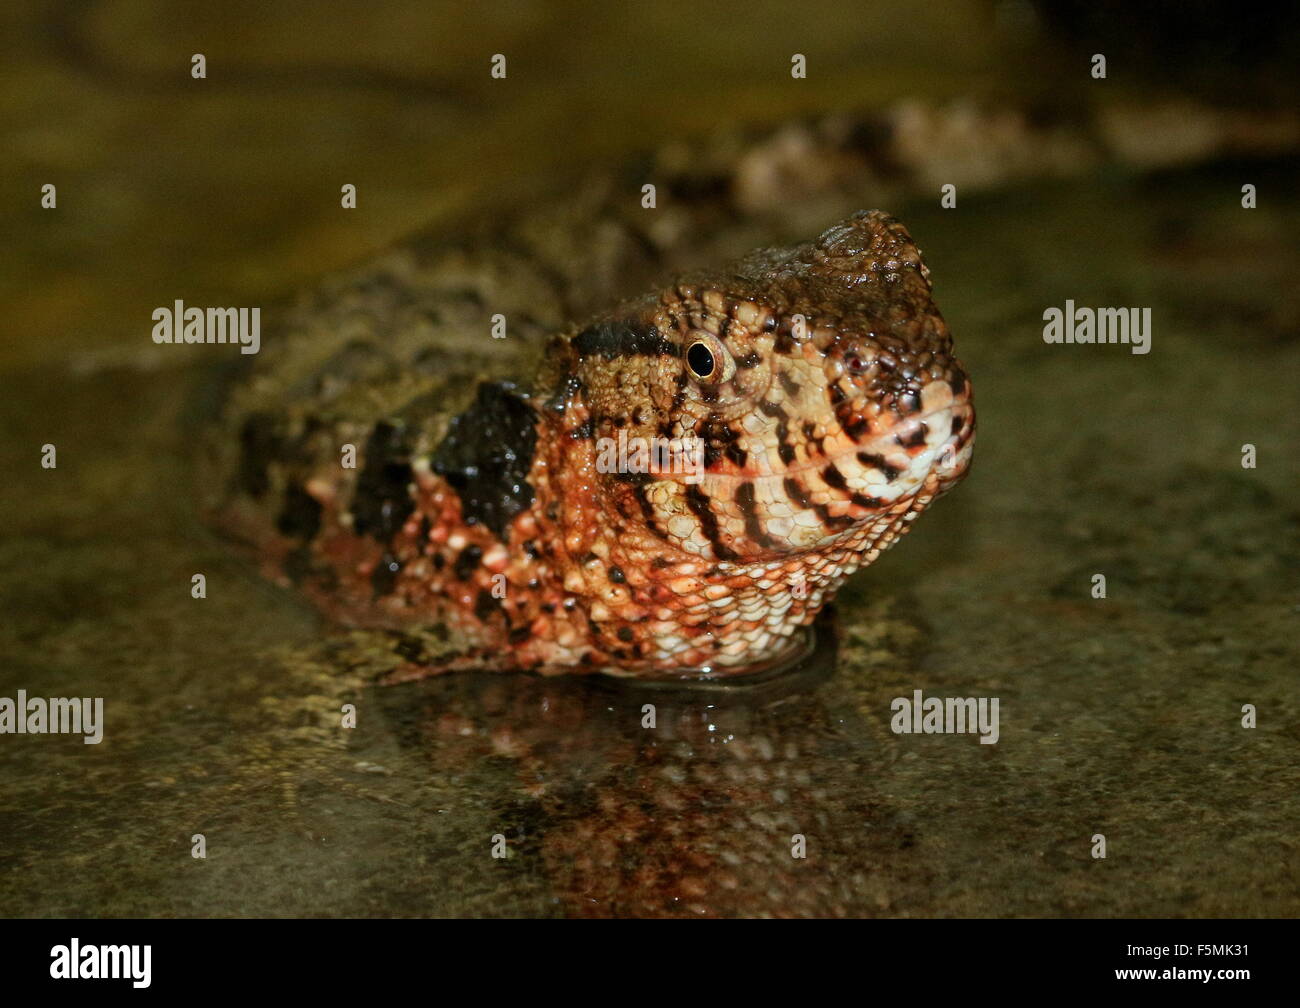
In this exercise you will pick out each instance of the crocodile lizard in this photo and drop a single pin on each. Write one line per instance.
(383, 457)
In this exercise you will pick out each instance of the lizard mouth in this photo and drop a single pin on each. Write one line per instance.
(839, 491)
(937, 443)
(890, 464)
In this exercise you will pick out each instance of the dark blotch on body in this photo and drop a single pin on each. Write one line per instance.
(382, 500)
(622, 339)
(486, 456)
(467, 561)
(485, 604)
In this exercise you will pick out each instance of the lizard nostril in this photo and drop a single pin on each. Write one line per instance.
(855, 363)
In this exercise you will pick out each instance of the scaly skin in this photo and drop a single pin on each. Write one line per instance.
(833, 413)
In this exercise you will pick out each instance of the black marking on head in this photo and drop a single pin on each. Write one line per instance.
(891, 472)
(737, 454)
(382, 499)
(751, 359)
(624, 338)
(771, 409)
(834, 524)
(796, 492)
(834, 478)
(753, 527)
(958, 422)
(625, 634)
(916, 438)
(857, 427)
(486, 456)
(699, 505)
(867, 502)
(788, 385)
(679, 397)
(720, 439)
(783, 446)
(648, 511)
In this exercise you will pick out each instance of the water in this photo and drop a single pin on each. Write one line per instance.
(1118, 716)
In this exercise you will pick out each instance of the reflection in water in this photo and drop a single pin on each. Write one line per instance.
(697, 815)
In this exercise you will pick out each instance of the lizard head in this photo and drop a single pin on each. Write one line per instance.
(781, 404)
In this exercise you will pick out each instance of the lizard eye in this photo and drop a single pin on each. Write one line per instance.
(709, 361)
(700, 358)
